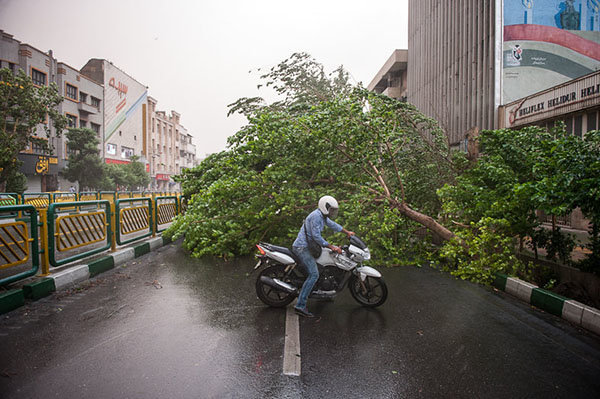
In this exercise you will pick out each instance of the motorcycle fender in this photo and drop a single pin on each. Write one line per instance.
(365, 271)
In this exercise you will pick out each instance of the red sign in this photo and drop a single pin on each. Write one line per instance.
(160, 176)
(148, 167)
(108, 160)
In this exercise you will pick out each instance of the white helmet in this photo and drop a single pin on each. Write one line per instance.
(328, 206)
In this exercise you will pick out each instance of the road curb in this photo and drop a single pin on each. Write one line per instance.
(44, 286)
(577, 313)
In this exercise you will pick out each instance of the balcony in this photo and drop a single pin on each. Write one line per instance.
(87, 108)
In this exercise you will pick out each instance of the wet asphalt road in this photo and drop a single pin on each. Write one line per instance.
(168, 326)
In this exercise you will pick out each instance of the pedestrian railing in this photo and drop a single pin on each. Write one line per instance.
(166, 209)
(38, 200)
(71, 233)
(51, 230)
(133, 216)
(19, 243)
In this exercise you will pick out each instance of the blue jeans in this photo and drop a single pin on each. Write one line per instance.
(313, 274)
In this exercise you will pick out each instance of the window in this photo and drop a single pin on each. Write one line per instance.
(71, 92)
(69, 151)
(38, 77)
(126, 152)
(71, 120)
(591, 121)
(82, 97)
(578, 125)
(111, 149)
(37, 147)
(569, 123)
(11, 66)
(95, 127)
(95, 102)
(82, 123)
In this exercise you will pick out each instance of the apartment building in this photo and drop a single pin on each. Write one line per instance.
(187, 152)
(82, 106)
(169, 147)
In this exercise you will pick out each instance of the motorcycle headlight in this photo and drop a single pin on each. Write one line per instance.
(367, 254)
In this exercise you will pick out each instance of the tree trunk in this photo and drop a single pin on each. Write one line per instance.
(425, 220)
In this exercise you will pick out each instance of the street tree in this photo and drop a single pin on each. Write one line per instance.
(130, 176)
(380, 157)
(85, 164)
(27, 113)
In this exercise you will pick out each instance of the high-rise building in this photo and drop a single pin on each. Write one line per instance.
(454, 63)
(466, 58)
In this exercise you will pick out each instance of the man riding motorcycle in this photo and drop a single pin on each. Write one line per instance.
(311, 230)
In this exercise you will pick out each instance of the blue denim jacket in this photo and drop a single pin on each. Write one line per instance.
(315, 222)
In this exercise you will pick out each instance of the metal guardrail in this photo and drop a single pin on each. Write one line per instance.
(166, 208)
(38, 200)
(72, 230)
(75, 231)
(19, 243)
(133, 218)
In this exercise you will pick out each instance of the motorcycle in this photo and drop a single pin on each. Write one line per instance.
(280, 280)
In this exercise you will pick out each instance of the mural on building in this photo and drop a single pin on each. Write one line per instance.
(548, 42)
(123, 98)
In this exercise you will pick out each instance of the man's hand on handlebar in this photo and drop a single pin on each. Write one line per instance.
(335, 249)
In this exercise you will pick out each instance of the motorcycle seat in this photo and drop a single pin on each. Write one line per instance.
(283, 250)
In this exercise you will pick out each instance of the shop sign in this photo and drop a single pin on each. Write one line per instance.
(161, 176)
(574, 96)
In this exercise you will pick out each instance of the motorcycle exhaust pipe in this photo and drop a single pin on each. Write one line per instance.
(280, 285)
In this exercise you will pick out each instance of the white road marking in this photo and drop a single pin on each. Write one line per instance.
(291, 348)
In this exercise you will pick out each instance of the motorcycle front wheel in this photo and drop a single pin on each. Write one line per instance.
(272, 296)
(371, 293)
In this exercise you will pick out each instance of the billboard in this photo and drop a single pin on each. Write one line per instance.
(123, 100)
(546, 43)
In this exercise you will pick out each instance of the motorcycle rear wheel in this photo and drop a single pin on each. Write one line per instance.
(372, 294)
(272, 296)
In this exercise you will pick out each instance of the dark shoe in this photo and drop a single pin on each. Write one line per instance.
(303, 312)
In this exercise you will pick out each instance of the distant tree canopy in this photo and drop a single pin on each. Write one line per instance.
(85, 164)
(87, 167)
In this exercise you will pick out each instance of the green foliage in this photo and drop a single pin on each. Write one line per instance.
(85, 164)
(24, 110)
(558, 245)
(320, 139)
(520, 172)
(488, 250)
(131, 176)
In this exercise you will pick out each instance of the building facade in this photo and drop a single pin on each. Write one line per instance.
(169, 148)
(110, 102)
(466, 58)
(454, 63)
(124, 109)
(391, 80)
(81, 105)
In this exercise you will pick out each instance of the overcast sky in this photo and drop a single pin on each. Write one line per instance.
(195, 55)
